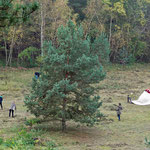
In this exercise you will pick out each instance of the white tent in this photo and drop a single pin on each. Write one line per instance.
(144, 98)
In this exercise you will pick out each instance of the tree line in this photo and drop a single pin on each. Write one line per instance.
(26, 26)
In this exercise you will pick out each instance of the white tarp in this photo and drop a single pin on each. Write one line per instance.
(144, 99)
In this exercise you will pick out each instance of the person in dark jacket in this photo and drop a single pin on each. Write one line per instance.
(1, 101)
(128, 99)
(119, 108)
(12, 109)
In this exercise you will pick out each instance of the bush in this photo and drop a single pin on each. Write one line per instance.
(31, 122)
(124, 57)
(147, 142)
(27, 141)
(23, 140)
(39, 60)
(51, 145)
(28, 56)
(1, 141)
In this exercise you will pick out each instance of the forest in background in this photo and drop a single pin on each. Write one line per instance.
(125, 23)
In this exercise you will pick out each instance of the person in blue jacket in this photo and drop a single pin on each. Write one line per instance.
(128, 99)
(1, 100)
(37, 74)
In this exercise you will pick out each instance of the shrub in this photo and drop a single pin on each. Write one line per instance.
(147, 142)
(39, 60)
(23, 140)
(31, 122)
(28, 56)
(124, 57)
(1, 141)
(51, 145)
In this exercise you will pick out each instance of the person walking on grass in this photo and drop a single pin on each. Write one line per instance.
(12, 109)
(119, 108)
(1, 100)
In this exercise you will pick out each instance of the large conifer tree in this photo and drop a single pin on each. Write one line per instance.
(65, 89)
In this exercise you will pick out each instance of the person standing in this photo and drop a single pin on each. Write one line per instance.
(12, 109)
(128, 99)
(37, 74)
(1, 100)
(119, 108)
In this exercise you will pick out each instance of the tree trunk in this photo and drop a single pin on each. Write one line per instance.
(110, 29)
(5, 51)
(42, 29)
(64, 116)
(11, 49)
(64, 102)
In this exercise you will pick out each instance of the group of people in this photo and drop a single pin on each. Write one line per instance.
(12, 107)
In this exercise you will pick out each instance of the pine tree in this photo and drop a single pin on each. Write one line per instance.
(11, 14)
(65, 90)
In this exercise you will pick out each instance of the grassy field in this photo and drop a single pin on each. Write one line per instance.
(109, 134)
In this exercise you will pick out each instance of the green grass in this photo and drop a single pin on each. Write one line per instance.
(109, 134)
